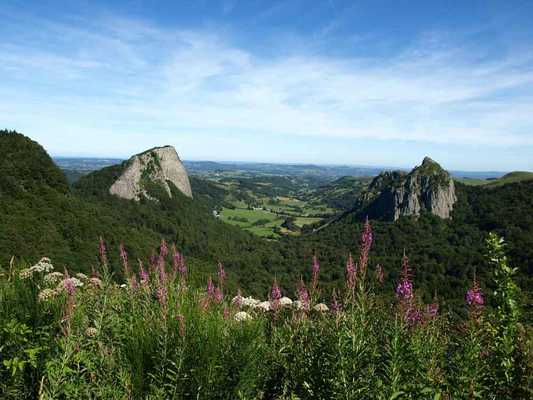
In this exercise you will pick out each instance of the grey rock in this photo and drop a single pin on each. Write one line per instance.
(160, 165)
(394, 194)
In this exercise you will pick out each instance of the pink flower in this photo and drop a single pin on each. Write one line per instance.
(474, 296)
(335, 306)
(124, 258)
(315, 271)
(432, 310)
(404, 290)
(143, 275)
(413, 316)
(103, 252)
(351, 272)
(218, 296)
(163, 248)
(366, 244)
(276, 291)
(221, 275)
(210, 287)
(303, 296)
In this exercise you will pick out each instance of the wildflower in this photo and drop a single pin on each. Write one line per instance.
(351, 272)
(81, 277)
(335, 305)
(404, 290)
(210, 287)
(133, 282)
(226, 313)
(46, 294)
(263, 306)
(221, 275)
(380, 275)
(285, 302)
(315, 271)
(161, 294)
(143, 275)
(124, 258)
(249, 302)
(91, 332)
(432, 310)
(474, 296)
(298, 305)
(176, 260)
(44, 265)
(103, 251)
(69, 284)
(52, 278)
(238, 300)
(303, 296)
(242, 316)
(218, 295)
(163, 249)
(276, 291)
(26, 273)
(413, 316)
(321, 307)
(366, 244)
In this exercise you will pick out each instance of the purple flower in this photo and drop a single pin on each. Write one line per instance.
(124, 258)
(366, 244)
(210, 287)
(226, 313)
(238, 299)
(103, 251)
(221, 275)
(404, 290)
(143, 275)
(218, 295)
(335, 306)
(70, 287)
(163, 249)
(474, 296)
(303, 296)
(432, 310)
(276, 291)
(351, 272)
(315, 271)
(413, 316)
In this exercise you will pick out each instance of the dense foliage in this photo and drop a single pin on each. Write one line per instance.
(157, 337)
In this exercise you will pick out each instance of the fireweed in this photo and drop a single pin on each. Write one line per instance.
(136, 349)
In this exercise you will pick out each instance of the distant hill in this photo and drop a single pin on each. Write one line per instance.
(42, 216)
(511, 177)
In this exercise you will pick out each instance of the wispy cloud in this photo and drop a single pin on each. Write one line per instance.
(130, 77)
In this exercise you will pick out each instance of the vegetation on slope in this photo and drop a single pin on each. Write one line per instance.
(157, 337)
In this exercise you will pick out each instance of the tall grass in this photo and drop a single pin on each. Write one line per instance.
(67, 336)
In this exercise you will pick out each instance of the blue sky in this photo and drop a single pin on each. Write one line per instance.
(355, 82)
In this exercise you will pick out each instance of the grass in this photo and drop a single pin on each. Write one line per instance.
(160, 337)
(252, 216)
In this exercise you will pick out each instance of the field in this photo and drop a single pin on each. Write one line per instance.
(155, 334)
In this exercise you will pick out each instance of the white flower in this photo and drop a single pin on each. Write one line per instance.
(249, 302)
(297, 304)
(46, 294)
(285, 302)
(91, 332)
(44, 265)
(263, 306)
(242, 316)
(81, 277)
(321, 307)
(26, 273)
(52, 278)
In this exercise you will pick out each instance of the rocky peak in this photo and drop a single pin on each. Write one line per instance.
(394, 194)
(160, 165)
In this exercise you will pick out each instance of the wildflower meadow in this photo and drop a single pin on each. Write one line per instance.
(155, 332)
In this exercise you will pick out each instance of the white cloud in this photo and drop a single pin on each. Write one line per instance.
(119, 77)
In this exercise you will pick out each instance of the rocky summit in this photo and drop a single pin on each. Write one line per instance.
(160, 165)
(394, 194)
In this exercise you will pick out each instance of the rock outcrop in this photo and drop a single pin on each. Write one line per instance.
(160, 165)
(394, 194)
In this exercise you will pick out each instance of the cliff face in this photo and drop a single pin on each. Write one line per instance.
(160, 165)
(392, 195)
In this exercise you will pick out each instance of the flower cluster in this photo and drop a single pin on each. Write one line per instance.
(44, 265)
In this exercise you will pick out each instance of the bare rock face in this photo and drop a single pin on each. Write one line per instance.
(159, 165)
(394, 194)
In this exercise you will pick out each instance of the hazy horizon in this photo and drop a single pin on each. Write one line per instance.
(283, 81)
